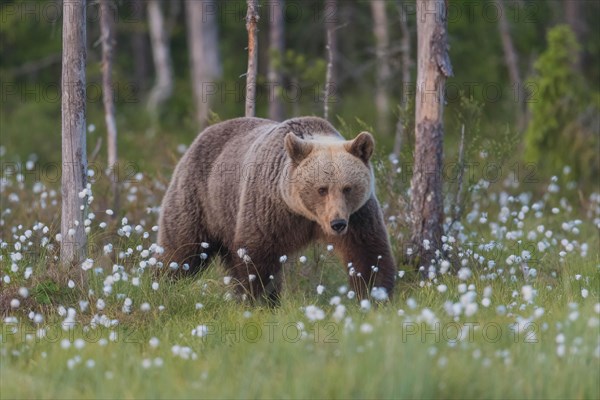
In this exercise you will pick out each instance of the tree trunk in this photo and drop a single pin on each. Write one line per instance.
(405, 48)
(331, 17)
(426, 185)
(276, 49)
(251, 26)
(382, 42)
(74, 160)
(107, 27)
(577, 24)
(163, 87)
(139, 47)
(512, 63)
(204, 53)
(107, 15)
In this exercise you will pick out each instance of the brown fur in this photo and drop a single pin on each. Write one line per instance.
(254, 184)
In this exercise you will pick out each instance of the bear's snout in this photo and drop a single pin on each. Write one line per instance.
(339, 225)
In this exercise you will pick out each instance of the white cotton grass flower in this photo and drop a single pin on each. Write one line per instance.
(314, 313)
(427, 316)
(379, 293)
(538, 312)
(464, 273)
(200, 331)
(366, 328)
(158, 362)
(444, 267)
(339, 313)
(23, 292)
(302, 259)
(87, 264)
(365, 305)
(528, 293)
(320, 289)
(411, 303)
(154, 342)
(471, 309)
(501, 309)
(79, 343)
(283, 259)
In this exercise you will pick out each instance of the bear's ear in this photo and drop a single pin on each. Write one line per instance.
(362, 146)
(297, 148)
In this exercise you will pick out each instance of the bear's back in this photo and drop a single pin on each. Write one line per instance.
(243, 154)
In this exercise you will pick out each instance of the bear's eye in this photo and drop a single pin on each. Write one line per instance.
(323, 191)
(347, 189)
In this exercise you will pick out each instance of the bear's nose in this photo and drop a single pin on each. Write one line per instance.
(339, 225)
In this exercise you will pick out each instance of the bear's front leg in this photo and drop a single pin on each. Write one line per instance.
(255, 274)
(367, 247)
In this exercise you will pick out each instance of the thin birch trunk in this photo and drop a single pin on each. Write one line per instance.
(276, 47)
(74, 160)
(139, 46)
(382, 43)
(107, 26)
(330, 16)
(251, 27)
(512, 63)
(163, 87)
(406, 66)
(204, 55)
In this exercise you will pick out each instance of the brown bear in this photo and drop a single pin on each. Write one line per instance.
(252, 190)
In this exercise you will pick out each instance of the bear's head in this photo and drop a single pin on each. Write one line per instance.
(328, 179)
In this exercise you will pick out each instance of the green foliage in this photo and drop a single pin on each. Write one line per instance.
(47, 292)
(31, 33)
(557, 134)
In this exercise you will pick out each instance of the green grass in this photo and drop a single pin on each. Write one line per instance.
(403, 348)
(258, 352)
